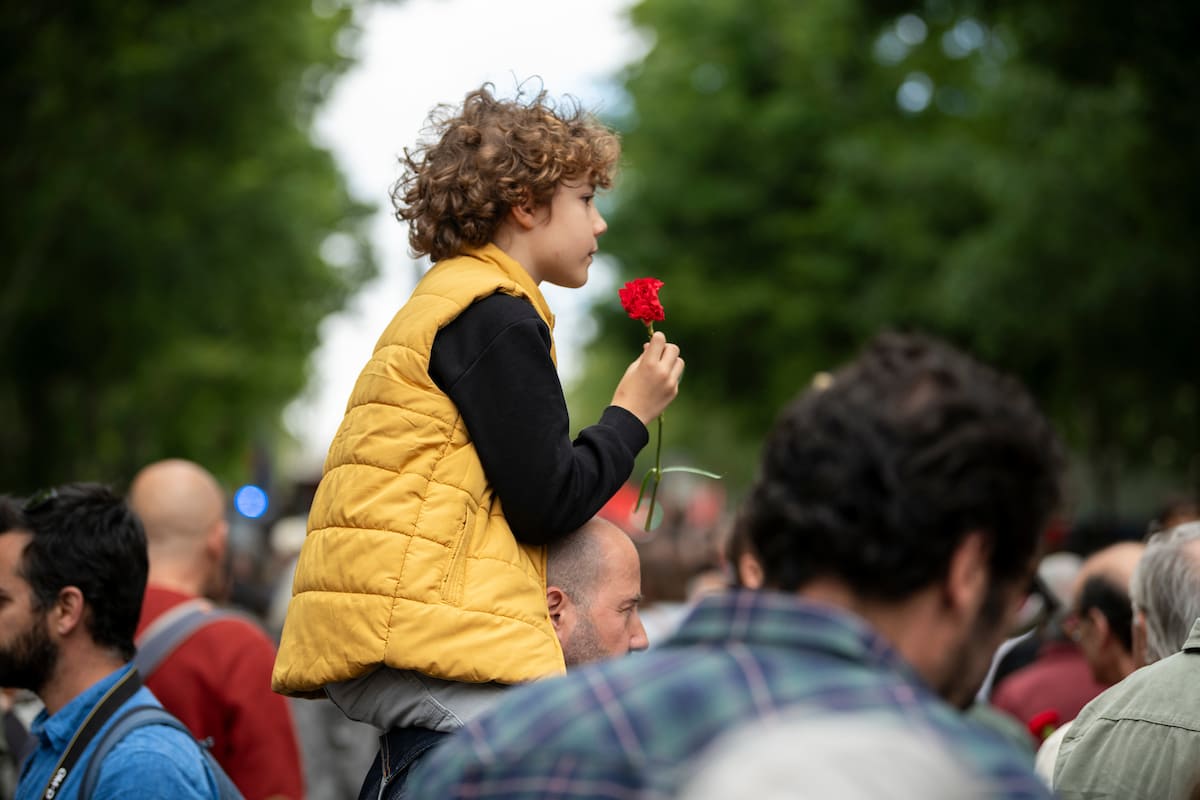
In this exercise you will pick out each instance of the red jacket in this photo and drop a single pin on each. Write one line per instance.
(1059, 680)
(218, 682)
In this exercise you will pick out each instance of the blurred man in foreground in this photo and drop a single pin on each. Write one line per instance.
(896, 516)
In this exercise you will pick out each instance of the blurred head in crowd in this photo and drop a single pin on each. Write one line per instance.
(1058, 572)
(182, 508)
(1050, 601)
(912, 488)
(849, 758)
(594, 590)
(1166, 593)
(1101, 618)
(72, 574)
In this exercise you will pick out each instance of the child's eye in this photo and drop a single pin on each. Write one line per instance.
(587, 199)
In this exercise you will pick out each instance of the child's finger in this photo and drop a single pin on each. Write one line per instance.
(654, 347)
(677, 372)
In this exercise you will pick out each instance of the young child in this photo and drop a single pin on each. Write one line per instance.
(420, 589)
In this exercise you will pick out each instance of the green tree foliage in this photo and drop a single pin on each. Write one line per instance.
(165, 217)
(802, 175)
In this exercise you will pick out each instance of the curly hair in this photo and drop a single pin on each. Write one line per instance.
(488, 156)
(875, 477)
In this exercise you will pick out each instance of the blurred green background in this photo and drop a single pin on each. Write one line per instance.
(165, 215)
(1018, 177)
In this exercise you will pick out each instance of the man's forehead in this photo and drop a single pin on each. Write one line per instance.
(12, 547)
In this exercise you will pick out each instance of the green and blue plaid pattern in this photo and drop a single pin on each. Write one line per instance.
(630, 728)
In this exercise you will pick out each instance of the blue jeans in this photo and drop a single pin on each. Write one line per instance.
(399, 749)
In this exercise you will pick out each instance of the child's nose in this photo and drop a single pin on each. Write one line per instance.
(599, 226)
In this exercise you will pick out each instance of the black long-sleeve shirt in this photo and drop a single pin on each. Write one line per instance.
(494, 362)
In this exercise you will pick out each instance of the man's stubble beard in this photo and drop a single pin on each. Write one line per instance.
(584, 645)
(30, 660)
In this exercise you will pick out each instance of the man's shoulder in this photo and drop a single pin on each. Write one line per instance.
(1163, 695)
(155, 760)
(225, 645)
(1165, 689)
(1137, 735)
(636, 725)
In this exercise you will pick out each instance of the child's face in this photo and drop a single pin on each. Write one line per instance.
(563, 240)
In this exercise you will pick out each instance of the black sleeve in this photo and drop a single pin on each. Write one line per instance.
(494, 363)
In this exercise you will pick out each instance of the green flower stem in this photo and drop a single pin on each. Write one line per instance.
(657, 477)
(657, 458)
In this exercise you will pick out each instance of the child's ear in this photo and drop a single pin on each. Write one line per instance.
(525, 212)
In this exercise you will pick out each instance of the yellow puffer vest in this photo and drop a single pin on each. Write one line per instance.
(409, 561)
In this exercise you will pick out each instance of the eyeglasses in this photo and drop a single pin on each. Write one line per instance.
(1073, 625)
(39, 499)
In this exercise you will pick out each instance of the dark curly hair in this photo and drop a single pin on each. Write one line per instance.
(877, 475)
(85, 536)
(488, 156)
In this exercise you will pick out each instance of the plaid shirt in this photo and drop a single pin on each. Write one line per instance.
(629, 728)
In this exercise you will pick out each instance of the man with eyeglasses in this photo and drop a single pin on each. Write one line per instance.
(1085, 650)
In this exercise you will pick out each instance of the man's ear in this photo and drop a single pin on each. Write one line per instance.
(1100, 623)
(559, 604)
(967, 577)
(217, 539)
(1139, 638)
(750, 571)
(67, 613)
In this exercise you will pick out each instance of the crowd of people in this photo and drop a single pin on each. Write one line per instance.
(888, 623)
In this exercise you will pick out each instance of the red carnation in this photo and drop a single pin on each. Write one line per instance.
(1043, 723)
(640, 300)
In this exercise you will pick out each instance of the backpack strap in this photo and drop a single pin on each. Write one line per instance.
(171, 629)
(137, 717)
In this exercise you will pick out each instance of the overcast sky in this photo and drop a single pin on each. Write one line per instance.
(413, 55)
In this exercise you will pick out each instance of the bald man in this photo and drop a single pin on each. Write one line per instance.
(1101, 622)
(1090, 652)
(218, 679)
(1102, 615)
(593, 590)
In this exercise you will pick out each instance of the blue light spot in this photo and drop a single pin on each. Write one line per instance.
(250, 501)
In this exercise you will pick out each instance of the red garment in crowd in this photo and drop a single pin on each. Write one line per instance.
(218, 682)
(1059, 680)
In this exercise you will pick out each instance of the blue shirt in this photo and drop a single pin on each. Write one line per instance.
(151, 762)
(630, 728)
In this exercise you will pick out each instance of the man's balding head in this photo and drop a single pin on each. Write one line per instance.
(1103, 613)
(182, 508)
(593, 588)
(1115, 562)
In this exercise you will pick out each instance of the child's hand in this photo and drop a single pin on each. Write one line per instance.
(652, 381)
